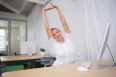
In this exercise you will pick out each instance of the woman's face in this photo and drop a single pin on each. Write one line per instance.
(57, 34)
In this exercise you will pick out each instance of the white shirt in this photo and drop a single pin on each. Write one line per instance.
(65, 52)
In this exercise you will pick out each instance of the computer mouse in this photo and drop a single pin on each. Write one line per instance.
(82, 69)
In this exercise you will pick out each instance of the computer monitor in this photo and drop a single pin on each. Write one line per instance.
(104, 44)
(28, 48)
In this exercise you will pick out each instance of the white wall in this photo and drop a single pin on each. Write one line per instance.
(73, 11)
(112, 36)
(97, 14)
(35, 27)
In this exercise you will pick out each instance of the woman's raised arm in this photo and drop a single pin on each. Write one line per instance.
(48, 30)
(65, 26)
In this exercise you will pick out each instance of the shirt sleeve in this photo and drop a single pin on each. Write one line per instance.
(52, 40)
(68, 35)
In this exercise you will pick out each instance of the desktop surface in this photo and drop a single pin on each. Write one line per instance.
(18, 58)
(69, 70)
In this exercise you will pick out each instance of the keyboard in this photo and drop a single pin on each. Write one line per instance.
(85, 66)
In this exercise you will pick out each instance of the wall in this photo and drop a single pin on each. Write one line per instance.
(35, 27)
(112, 36)
(97, 14)
(73, 11)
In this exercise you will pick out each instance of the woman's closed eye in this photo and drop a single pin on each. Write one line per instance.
(57, 31)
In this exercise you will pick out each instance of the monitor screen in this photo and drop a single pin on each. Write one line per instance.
(104, 41)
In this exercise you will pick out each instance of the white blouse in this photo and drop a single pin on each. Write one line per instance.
(65, 52)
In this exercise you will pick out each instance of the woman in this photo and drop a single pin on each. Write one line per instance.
(64, 48)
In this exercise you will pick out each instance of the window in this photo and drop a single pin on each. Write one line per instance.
(2, 40)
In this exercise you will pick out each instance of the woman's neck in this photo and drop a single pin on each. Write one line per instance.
(61, 40)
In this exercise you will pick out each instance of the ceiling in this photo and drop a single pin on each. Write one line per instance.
(4, 9)
(19, 6)
(16, 6)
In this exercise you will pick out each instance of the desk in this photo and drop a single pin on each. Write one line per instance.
(20, 59)
(69, 70)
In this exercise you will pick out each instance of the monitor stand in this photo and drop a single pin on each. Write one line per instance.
(108, 65)
(111, 55)
(29, 50)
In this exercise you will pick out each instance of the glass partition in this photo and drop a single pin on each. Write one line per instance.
(3, 37)
(12, 33)
(18, 34)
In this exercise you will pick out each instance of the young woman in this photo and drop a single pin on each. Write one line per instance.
(64, 48)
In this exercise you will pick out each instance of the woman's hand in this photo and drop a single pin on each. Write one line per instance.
(51, 7)
(48, 8)
(54, 6)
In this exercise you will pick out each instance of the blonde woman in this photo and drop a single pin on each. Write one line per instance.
(63, 47)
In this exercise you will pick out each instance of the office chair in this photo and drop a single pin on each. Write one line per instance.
(46, 61)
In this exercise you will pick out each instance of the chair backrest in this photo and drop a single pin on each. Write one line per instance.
(47, 60)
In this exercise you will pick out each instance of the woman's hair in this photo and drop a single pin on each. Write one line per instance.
(54, 28)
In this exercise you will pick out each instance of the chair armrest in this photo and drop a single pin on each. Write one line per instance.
(47, 65)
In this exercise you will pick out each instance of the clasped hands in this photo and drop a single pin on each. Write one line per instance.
(51, 7)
